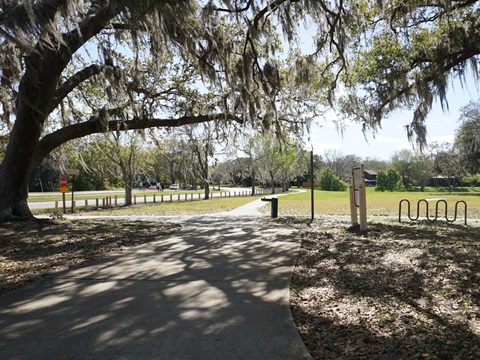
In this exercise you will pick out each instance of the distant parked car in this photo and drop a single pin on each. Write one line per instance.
(153, 187)
(174, 187)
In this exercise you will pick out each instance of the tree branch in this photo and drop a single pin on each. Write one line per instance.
(75, 80)
(75, 131)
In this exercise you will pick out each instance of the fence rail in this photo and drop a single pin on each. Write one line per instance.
(115, 201)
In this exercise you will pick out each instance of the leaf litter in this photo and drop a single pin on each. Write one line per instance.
(395, 291)
(30, 250)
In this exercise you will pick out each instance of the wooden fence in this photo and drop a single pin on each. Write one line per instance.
(115, 201)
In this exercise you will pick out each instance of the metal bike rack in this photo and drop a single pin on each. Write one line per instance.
(438, 201)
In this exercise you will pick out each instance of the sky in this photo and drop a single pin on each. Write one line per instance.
(392, 137)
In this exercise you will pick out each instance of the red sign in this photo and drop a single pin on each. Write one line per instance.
(63, 182)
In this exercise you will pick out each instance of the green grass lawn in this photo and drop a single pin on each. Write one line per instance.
(378, 203)
(169, 208)
(295, 203)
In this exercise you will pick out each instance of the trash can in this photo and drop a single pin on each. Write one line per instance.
(274, 208)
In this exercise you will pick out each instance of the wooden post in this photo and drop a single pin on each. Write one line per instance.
(363, 201)
(353, 208)
(56, 207)
(86, 204)
(312, 192)
(73, 191)
(96, 203)
(74, 207)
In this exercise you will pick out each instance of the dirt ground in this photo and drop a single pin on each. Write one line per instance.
(396, 291)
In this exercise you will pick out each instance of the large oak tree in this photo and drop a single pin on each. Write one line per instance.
(46, 62)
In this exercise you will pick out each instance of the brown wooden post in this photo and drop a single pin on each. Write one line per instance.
(312, 185)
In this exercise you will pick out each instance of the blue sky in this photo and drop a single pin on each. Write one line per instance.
(392, 136)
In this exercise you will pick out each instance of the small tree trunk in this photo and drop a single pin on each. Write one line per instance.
(253, 183)
(128, 194)
(207, 189)
(273, 183)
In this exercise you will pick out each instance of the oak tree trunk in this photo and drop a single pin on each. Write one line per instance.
(35, 94)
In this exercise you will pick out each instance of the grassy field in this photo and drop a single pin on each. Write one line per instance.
(167, 208)
(379, 203)
(294, 204)
(180, 208)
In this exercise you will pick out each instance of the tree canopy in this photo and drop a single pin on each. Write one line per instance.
(406, 54)
(467, 138)
(139, 61)
(165, 63)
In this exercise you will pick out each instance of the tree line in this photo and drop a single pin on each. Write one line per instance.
(193, 157)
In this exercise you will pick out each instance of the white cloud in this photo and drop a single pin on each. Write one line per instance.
(441, 138)
(320, 148)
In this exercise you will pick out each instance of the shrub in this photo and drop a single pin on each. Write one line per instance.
(388, 180)
(330, 182)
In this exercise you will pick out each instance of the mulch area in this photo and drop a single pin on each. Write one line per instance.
(396, 291)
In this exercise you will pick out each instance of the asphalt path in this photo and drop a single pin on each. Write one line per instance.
(217, 289)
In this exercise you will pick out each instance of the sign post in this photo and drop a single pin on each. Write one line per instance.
(73, 172)
(358, 197)
(312, 189)
(63, 190)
